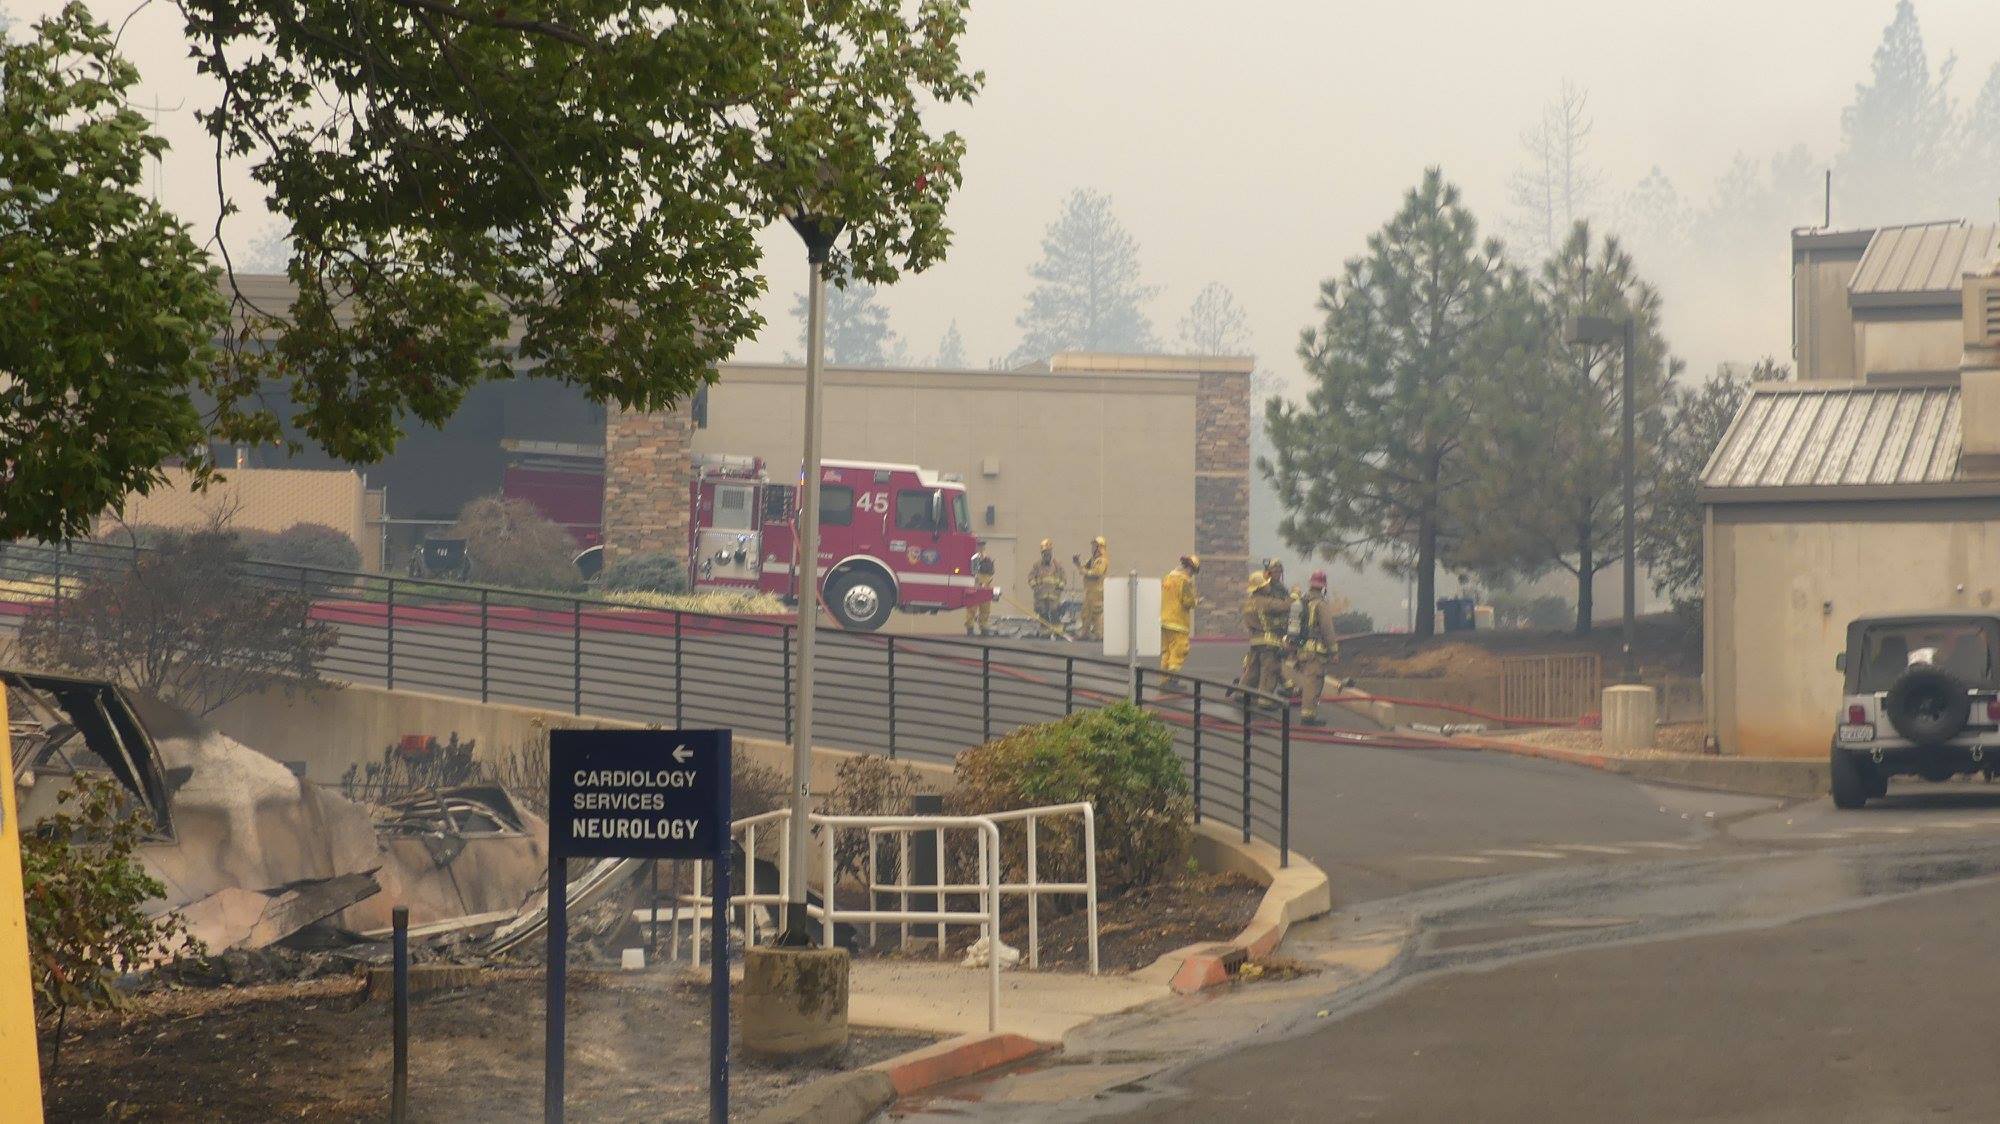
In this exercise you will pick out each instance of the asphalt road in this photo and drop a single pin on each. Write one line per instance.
(1873, 1006)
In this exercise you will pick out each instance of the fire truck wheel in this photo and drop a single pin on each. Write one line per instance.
(859, 600)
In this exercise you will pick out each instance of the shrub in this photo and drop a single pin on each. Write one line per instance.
(647, 573)
(511, 543)
(866, 786)
(307, 544)
(1354, 622)
(1121, 760)
(85, 892)
(182, 624)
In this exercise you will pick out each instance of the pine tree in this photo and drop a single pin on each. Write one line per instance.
(1089, 295)
(1365, 467)
(1896, 134)
(1546, 487)
(951, 349)
(1557, 184)
(1215, 323)
(1670, 540)
(857, 328)
(1653, 216)
(1979, 153)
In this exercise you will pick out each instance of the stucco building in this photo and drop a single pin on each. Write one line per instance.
(1151, 451)
(1869, 485)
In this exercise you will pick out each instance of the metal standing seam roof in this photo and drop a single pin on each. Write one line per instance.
(1838, 437)
(1930, 258)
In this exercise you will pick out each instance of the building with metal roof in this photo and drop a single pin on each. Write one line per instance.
(1869, 487)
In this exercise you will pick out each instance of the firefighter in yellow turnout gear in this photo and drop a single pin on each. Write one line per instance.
(1046, 582)
(1177, 601)
(1265, 613)
(1318, 647)
(979, 616)
(1093, 570)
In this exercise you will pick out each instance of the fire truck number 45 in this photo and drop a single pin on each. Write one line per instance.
(877, 502)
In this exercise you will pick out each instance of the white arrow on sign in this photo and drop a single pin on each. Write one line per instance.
(681, 754)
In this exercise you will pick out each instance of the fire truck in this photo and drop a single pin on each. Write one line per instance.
(890, 536)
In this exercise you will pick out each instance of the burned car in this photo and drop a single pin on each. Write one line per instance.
(1922, 698)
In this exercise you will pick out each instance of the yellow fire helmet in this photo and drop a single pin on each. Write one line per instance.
(1259, 580)
(1192, 561)
(1098, 541)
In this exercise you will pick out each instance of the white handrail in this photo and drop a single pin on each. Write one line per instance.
(989, 888)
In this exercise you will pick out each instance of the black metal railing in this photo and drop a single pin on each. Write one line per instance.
(907, 696)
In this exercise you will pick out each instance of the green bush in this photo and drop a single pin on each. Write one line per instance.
(1120, 759)
(647, 573)
(305, 544)
(1354, 622)
(86, 892)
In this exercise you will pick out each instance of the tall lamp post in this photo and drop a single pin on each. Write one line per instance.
(818, 233)
(1591, 330)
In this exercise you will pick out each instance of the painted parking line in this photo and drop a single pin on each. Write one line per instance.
(1453, 859)
(1591, 848)
(1524, 854)
(1665, 846)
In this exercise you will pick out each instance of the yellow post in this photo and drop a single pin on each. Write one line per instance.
(20, 1060)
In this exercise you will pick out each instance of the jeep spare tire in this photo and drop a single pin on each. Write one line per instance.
(1928, 705)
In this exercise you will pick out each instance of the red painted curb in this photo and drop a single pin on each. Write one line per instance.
(955, 1060)
(1199, 972)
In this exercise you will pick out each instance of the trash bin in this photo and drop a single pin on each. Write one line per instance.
(1457, 613)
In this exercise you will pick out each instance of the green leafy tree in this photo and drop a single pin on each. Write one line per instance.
(1088, 296)
(1896, 134)
(111, 307)
(857, 326)
(1547, 479)
(1671, 539)
(576, 188)
(1364, 468)
(85, 891)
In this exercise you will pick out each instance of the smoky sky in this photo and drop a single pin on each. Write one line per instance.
(1258, 143)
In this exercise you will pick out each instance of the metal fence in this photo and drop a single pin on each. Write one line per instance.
(1557, 688)
(907, 696)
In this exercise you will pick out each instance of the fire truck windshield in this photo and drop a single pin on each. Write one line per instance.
(959, 520)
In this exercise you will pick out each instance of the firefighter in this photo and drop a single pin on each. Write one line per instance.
(1177, 601)
(1317, 647)
(1264, 615)
(1093, 570)
(979, 614)
(1046, 581)
(1274, 572)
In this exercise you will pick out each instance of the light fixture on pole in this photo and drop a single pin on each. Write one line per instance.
(819, 233)
(1599, 330)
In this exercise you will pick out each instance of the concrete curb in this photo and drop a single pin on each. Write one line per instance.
(855, 1096)
(1754, 776)
(1292, 894)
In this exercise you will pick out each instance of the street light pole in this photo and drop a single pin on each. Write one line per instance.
(1631, 552)
(798, 930)
(1600, 330)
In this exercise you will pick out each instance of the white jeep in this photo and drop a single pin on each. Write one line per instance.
(1922, 698)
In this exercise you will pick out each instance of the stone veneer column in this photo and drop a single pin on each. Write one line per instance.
(1222, 500)
(648, 468)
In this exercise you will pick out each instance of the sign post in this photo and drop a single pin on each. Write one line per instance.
(638, 794)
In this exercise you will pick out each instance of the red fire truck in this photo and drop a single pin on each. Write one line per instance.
(890, 536)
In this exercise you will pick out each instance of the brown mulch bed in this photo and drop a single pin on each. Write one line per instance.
(638, 1049)
(1133, 928)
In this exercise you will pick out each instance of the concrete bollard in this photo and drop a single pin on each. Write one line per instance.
(794, 1003)
(1630, 713)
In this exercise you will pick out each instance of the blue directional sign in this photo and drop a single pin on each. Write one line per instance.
(638, 794)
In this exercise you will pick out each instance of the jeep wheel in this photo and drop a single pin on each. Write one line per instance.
(1853, 779)
(860, 601)
(1928, 705)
